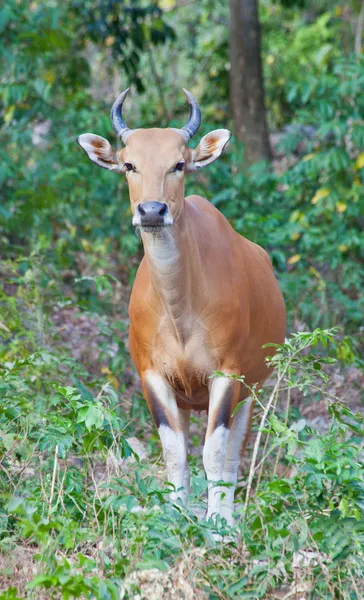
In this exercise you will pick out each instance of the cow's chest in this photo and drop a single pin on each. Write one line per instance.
(184, 357)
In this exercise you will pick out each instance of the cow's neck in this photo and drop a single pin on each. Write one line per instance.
(172, 257)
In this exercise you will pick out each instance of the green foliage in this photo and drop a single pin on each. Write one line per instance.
(45, 103)
(127, 29)
(309, 49)
(313, 517)
(10, 594)
(308, 218)
(300, 528)
(318, 198)
(95, 519)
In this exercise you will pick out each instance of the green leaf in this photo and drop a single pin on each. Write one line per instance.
(92, 416)
(10, 594)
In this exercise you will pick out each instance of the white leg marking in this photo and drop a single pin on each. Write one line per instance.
(213, 461)
(173, 434)
(185, 422)
(174, 452)
(237, 434)
(216, 441)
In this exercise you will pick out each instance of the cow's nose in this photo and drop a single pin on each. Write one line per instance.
(152, 212)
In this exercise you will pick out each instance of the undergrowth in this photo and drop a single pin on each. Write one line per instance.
(84, 509)
(82, 516)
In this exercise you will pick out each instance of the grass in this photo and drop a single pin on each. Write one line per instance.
(82, 516)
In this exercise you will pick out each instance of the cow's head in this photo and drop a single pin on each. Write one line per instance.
(155, 162)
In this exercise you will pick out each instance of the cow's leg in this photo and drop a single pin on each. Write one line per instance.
(184, 416)
(238, 436)
(224, 395)
(172, 427)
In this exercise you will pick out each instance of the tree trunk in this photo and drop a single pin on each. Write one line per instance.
(246, 81)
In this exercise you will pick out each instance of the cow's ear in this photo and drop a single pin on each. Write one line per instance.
(209, 149)
(100, 152)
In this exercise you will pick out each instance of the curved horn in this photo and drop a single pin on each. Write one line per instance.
(195, 118)
(117, 120)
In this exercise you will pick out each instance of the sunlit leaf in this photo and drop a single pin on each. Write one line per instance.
(321, 193)
(359, 164)
(294, 259)
(341, 206)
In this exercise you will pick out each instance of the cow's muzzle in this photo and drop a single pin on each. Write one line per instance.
(152, 214)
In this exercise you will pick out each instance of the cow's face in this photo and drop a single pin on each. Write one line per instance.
(155, 162)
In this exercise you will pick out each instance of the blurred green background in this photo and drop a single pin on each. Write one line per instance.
(62, 65)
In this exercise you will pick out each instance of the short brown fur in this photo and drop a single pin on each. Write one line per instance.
(204, 299)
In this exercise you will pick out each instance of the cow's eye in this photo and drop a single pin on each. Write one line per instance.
(129, 167)
(179, 166)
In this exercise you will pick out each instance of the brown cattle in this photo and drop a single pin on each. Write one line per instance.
(204, 299)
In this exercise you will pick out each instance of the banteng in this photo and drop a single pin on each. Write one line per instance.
(204, 299)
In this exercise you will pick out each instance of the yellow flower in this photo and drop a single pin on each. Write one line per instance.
(343, 247)
(295, 236)
(321, 193)
(270, 59)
